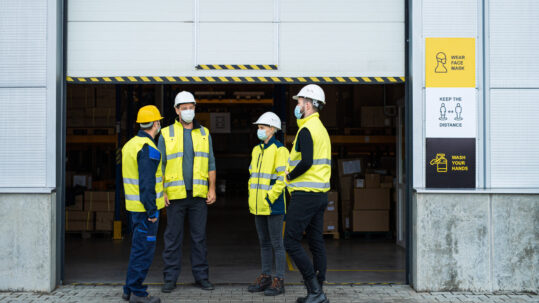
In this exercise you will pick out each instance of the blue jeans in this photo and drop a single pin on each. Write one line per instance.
(142, 251)
(270, 235)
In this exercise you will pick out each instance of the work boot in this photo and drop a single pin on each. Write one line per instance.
(320, 282)
(168, 287)
(302, 299)
(315, 295)
(261, 284)
(276, 288)
(205, 284)
(148, 299)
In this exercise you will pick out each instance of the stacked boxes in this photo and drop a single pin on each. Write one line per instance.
(79, 220)
(347, 169)
(371, 206)
(91, 106)
(331, 215)
(94, 212)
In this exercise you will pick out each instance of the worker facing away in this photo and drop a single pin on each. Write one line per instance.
(143, 186)
(308, 182)
(267, 203)
(189, 185)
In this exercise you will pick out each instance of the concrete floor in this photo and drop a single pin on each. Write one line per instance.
(233, 254)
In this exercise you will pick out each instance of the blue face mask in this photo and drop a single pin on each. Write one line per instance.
(262, 135)
(297, 112)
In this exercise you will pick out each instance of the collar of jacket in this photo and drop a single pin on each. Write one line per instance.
(142, 133)
(271, 141)
(196, 124)
(301, 122)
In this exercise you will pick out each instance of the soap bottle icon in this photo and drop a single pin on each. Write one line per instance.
(441, 163)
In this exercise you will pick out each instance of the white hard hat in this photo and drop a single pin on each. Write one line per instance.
(311, 91)
(184, 97)
(270, 119)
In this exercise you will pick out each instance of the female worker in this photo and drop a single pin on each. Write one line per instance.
(267, 203)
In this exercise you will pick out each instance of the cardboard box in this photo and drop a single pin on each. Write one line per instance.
(331, 224)
(104, 216)
(346, 187)
(349, 167)
(373, 116)
(79, 221)
(371, 198)
(84, 180)
(105, 96)
(104, 221)
(387, 179)
(333, 202)
(79, 226)
(370, 220)
(77, 215)
(99, 200)
(104, 226)
(372, 180)
(359, 183)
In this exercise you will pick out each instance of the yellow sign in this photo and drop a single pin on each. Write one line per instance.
(441, 163)
(450, 62)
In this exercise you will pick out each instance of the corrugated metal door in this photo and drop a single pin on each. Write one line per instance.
(300, 38)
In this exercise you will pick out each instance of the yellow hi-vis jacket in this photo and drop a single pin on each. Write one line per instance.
(317, 178)
(174, 182)
(131, 178)
(266, 184)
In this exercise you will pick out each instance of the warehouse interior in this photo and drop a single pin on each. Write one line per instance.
(364, 222)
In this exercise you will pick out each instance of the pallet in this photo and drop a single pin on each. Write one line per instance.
(91, 131)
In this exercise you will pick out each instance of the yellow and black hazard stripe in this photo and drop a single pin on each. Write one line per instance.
(234, 80)
(236, 67)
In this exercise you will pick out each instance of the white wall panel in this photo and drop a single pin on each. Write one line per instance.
(235, 43)
(237, 10)
(129, 48)
(130, 10)
(514, 43)
(342, 11)
(514, 138)
(457, 18)
(23, 33)
(343, 48)
(23, 137)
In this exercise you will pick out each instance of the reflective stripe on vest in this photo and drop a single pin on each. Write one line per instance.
(174, 181)
(317, 177)
(131, 175)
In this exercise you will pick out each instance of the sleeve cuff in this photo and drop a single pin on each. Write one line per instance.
(153, 214)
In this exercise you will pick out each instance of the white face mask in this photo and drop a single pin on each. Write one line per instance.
(188, 115)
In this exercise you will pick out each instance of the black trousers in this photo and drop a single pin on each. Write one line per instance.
(196, 211)
(306, 213)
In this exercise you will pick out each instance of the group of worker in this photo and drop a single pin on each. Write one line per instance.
(179, 173)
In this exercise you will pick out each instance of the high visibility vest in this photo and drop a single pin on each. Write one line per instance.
(317, 178)
(174, 181)
(267, 184)
(131, 177)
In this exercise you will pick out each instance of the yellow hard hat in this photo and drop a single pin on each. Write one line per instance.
(148, 113)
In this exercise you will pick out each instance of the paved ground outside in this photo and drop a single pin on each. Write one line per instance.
(238, 293)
